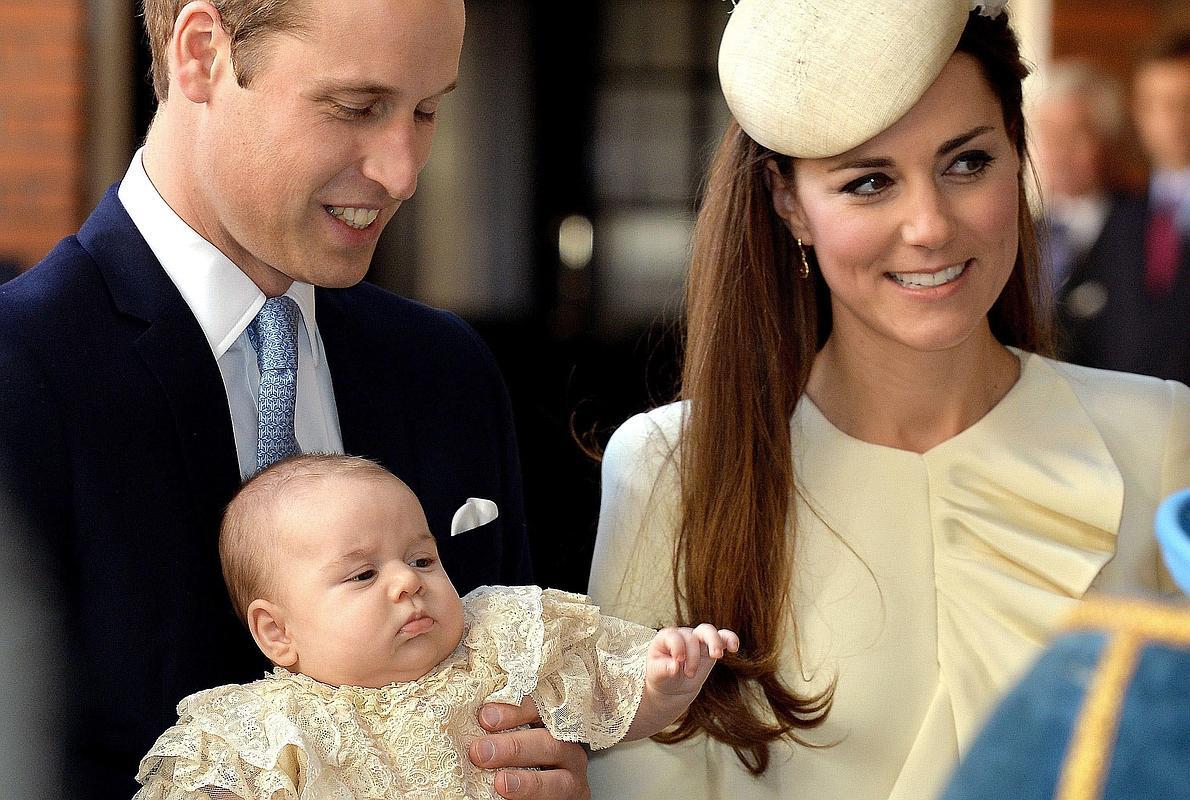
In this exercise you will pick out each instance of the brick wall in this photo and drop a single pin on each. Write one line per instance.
(42, 124)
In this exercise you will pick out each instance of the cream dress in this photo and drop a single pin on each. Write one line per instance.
(924, 583)
(288, 736)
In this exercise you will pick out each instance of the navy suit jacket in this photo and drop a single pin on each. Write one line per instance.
(116, 442)
(1106, 317)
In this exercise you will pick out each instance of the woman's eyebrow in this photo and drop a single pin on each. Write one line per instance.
(879, 162)
(962, 139)
(864, 163)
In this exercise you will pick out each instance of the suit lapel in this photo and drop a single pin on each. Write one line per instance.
(172, 347)
(369, 403)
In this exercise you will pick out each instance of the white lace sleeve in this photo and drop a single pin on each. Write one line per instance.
(229, 742)
(584, 671)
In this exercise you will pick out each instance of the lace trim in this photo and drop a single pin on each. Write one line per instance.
(289, 736)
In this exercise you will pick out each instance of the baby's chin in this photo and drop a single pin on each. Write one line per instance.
(405, 672)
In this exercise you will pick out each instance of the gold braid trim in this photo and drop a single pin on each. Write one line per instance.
(1163, 623)
(1089, 755)
(1131, 624)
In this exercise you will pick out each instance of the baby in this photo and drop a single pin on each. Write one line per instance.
(380, 668)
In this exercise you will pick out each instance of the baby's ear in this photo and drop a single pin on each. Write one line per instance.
(266, 621)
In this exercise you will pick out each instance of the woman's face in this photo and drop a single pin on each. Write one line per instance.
(916, 229)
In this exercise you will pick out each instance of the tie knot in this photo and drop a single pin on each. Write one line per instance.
(273, 334)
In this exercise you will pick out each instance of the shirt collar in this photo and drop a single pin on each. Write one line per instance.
(1082, 216)
(1170, 187)
(222, 298)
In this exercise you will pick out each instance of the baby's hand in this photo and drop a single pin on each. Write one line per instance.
(681, 658)
(678, 662)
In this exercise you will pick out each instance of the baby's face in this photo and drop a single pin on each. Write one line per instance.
(365, 597)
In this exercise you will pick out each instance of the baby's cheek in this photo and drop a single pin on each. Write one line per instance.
(456, 624)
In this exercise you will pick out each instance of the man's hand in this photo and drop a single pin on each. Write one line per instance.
(561, 772)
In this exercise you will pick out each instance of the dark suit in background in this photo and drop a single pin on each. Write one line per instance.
(1105, 315)
(116, 439)
(8, 270)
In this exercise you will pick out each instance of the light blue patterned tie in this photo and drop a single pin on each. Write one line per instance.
(274, 336)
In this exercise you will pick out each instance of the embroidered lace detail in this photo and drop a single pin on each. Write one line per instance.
(288, 736)
(584, 671)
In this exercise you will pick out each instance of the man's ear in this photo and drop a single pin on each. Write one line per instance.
(198, 51)
(785, 201)
(266, 622)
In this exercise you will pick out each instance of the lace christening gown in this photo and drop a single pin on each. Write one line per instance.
(288, 736)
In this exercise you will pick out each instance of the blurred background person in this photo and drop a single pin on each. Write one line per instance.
(1161, 111)
(1093, 719)
(1077, 120)
(1117, 258)
(1098, 717)
(34, 663)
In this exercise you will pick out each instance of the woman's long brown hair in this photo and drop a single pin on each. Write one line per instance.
(753, 329)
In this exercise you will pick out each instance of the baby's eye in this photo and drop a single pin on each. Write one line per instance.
(363, 577)
(868, 185)
(425, 562)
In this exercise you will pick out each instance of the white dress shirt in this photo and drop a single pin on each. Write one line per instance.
(1171, 189)
(224, 301)
(1083, 218)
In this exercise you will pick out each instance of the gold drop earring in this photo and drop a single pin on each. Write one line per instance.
(804, 272)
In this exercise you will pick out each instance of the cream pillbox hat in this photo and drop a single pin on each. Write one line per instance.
(815, 78)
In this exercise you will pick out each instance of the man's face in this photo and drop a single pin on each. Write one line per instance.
(300, 171)
(1162, 111)
(1069, 147)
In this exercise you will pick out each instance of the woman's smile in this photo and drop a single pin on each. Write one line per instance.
(930, 280)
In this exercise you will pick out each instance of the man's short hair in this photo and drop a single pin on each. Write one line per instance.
(1080, 79)
(247, 22)
(248, 541)
(1173, 47)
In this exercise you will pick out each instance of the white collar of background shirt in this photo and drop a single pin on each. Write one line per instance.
(1083, 217)
(1172, 188)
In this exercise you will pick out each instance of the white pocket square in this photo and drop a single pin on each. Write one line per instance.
(475, 512)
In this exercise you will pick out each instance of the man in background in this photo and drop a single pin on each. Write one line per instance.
(1161, 109)
(209, 319)
(1126, 306)
(1076, 121)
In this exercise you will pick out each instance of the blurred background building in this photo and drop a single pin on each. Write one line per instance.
(555, 212)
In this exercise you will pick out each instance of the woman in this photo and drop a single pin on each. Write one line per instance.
(900, 493)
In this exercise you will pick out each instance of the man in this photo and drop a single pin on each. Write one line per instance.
(147, 365)
(1130, 308)
(1076, 121)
